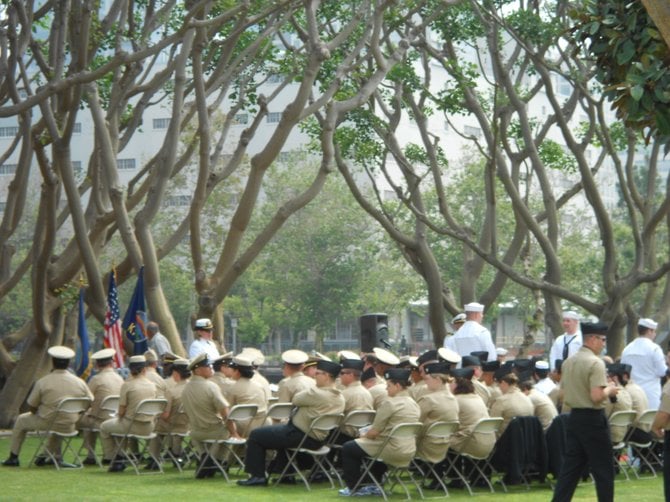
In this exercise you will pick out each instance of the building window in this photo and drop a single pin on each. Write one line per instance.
(417, 336)
(177, 201)
(275, 78)
(77, 128)
(284, 156)
(76, 167)
(9, 132)
(8, 169)
(273, 117)
(125, 163)
(3, 204)
(241, 119)
(472, 131)
(161, 123)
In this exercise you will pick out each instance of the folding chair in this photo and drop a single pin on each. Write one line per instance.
(280, 411)
(644, 451)
(68, 406)
(150, 408)
(182, 438)
(323, 423)
(356, 419)
(436, 431)
(482, 464)
(239, 413)
(623, 419)
(406, 430)
(111, 405)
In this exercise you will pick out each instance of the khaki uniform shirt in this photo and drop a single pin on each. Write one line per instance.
(246, 391)
(417, 390)
(665, 403)
(203, 402)
(482, 391)
(314, 402)
(579, 374)
(161, 387)
(494, 393)
(177, 421)
(513, 404)
(104, 384)
(264, 384)
(623, 403)
(471, 409)
(133, 391)
(379, 394)
(394, 410)
(290, 386)
(356, 397)
(543, 407)
(51, 389)
(437, 406)
(222, 381)
(640, 401)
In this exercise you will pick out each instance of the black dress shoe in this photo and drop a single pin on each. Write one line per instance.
(89, 461)
(152, 466)
(287, 480)
(106, 461)
(11, 462)
(117, 466)
(41, 461)
(253, 481)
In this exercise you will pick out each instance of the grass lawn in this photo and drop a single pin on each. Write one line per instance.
(92, 483)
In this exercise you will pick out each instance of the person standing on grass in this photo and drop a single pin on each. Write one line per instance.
(585, 391)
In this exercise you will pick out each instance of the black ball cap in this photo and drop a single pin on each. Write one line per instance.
(594, 328)
(466, 373)
(397, 374)
(329, 367)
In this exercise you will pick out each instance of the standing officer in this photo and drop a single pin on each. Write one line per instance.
(585, 390)
(569, 342)
(472, 337)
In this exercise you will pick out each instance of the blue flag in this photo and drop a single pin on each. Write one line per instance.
(82, 362)
(135, 320)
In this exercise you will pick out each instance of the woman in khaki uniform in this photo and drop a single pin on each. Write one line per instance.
(512, 403)
(438, 404)
(397, 409)
(246, 391)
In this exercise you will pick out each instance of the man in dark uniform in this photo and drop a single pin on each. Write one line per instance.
(321, 399)
(585, 390)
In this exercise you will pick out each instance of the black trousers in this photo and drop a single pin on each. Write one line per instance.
(588, 444)
(352, 459)
(273, 437)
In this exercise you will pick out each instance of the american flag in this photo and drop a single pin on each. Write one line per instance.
(113, 338)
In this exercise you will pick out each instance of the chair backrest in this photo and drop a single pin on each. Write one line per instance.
(151, 407)
(359, 418)
(280, 411)
(406, 430)
(74, 405)
(622, 418)
(488, 425)
(241, 412)
(110, 403)
(326, 422)
(647, 418)
(441, 429)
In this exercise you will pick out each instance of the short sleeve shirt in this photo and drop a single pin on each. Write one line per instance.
(581, 373)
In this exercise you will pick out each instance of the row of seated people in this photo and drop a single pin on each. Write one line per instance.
(440, 393)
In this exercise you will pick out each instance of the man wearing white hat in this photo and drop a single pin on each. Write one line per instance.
(43, 401)
(203, 332)
(472, 337)
(294, 379)
(106, 382)
(647, 361)
(569, 342)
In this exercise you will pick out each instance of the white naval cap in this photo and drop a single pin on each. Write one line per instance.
(647, 323)
(294, 356)
(386, 357)
(61, 352)
(473, 307)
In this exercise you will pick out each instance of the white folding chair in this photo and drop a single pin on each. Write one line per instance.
(68, 406)
(623, 420)
(480, 464)
(644, 451)
(149, 408)
(239, 414)
(437, 431)
(323, 423)
(280, 412)
(110, 404)
(406, 430)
